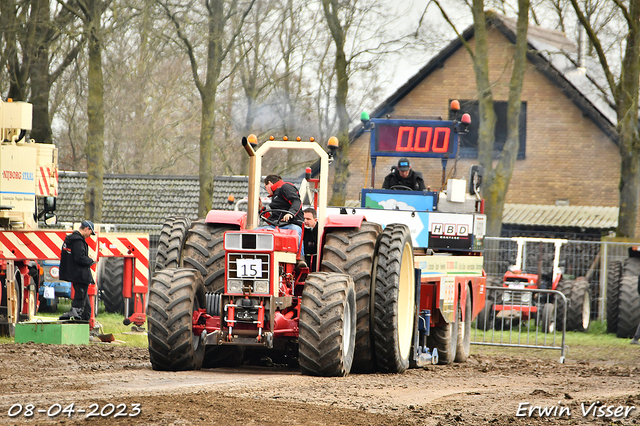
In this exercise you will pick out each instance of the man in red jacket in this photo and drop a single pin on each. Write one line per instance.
(75, 266)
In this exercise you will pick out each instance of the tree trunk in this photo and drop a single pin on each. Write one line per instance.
(207, 128)
(499, 177)
(39, 73)
(341, 172)
(629, 139)
(95, 114)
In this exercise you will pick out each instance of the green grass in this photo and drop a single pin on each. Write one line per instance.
(111, 323)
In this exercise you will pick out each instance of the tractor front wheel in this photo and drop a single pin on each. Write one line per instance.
(327, 325)
(174, 295)
(394, 302)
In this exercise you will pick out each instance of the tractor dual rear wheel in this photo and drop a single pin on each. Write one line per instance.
(350, 251)
(174, 295)
(172, 237)
(204, 251)
(327, 325)
(394, 302)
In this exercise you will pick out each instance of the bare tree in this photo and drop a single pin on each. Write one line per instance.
(498, 176)
(221, 32)
(90, 12)
(624, 88)
(357, 49)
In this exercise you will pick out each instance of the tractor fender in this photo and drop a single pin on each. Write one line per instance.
(227, 217)
(344, 221)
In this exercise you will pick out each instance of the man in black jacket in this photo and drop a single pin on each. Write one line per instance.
(286, 205)
(75, 266)
(402, 177)
(311, 237)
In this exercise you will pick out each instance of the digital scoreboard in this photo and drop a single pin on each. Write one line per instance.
(414, 138)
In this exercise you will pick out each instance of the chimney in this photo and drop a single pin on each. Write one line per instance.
(582, 48)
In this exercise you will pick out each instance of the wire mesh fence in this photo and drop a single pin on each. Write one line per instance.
(589, 259)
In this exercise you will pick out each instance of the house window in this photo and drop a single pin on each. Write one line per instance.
(468, 147)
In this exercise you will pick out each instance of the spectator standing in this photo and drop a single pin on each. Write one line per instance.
(75, 266)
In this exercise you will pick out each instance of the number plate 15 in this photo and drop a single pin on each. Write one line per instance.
(249, 268)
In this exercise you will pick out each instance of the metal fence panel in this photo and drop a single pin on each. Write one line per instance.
(524, 318)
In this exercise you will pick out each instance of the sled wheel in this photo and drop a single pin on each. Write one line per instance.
(463, 346)
(394, 300)
(327, 325)
(350, 251)
(174, 295)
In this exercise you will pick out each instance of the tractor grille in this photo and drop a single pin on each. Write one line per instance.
(233, 272)
(515, 297)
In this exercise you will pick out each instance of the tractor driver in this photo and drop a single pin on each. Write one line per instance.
(285, 198)
(403, 178)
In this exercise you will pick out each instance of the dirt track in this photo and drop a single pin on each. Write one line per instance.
(485, 390)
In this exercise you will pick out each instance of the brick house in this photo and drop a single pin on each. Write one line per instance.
(568, 166)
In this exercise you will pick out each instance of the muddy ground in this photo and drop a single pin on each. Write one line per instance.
(488, 389)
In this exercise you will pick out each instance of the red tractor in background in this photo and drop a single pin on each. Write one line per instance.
(391, 289)
(507, 309)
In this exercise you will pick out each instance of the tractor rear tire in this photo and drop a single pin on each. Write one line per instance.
(350, 251)
(463, 346)
(564, 287)
(327, 325)
(110, 285)
(204, 251)
(614, 276)
(172, 237)
(394, 303)
(486, 317)
(174, 295)
(629, 308)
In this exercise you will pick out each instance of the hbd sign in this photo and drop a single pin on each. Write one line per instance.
(450, 231)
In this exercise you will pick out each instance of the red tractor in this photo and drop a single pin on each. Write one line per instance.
(224, 291)
(507, 309)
